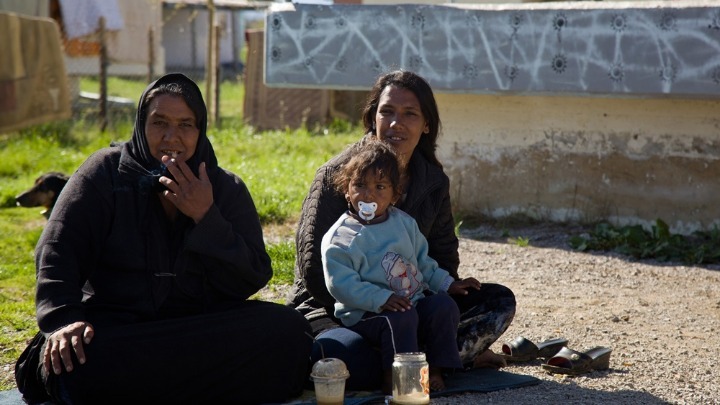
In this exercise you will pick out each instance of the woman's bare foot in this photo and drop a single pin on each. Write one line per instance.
(489, 359)
(437, 383)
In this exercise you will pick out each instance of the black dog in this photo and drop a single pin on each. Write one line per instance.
(44, 193)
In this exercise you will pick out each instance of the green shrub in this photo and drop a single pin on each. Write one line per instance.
(657, 243)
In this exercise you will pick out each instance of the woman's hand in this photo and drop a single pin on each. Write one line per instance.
(460, 287)
(191, 195)
(396, 303)
(62, 342)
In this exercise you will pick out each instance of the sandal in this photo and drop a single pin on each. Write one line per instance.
(568, 361)
(522, 349)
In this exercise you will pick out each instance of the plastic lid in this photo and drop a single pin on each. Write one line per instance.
(329, 368)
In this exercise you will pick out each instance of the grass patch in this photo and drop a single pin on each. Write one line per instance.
(231, 95)
(283, 262)
(19, 231)
(116, 86)
(276, 166)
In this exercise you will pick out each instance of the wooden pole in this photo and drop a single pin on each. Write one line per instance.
(209, 67)
(193, 42)
(216, 77)
(103, 77)
(151, 55)
(235, 46)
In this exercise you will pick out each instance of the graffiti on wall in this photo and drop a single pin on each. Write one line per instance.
(672, 50)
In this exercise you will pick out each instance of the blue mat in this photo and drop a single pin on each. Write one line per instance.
(476, 380)
(11, 397)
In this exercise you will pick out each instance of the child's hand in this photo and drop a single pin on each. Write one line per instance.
(459, 287)
(396, 303)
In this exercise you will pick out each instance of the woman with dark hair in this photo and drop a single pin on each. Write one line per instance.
(144, 273)
(401, 111)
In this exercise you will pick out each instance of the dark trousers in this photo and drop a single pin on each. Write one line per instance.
(258, 352)
(429, 326)
(485, 315)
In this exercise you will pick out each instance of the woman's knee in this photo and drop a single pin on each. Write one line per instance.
(360, 357)
(288, 319)
(341, 343)
(504, 298)
(489, 296)
(498, 292)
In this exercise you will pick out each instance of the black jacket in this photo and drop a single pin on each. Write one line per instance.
(109, 255)
(427, 200)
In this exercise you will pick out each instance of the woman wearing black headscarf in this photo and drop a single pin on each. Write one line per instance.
(144, 271)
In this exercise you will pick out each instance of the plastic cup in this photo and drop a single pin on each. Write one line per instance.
(329, 376)
(329, 390)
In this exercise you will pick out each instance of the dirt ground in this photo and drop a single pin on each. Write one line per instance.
(660, 320)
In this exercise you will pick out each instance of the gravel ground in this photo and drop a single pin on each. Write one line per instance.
(661, 320)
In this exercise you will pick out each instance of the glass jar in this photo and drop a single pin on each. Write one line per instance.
(410, 379)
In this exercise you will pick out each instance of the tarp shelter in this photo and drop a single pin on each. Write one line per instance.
(33, 82)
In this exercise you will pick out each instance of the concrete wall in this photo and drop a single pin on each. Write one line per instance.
(573, 111)
(583, 159)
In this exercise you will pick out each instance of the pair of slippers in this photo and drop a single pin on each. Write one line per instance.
(560, 359)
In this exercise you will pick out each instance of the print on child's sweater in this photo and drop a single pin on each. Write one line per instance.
(401, 275)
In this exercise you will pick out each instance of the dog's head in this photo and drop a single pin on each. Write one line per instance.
(44, 192)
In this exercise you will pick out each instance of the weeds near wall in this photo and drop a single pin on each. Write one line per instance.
(658, 243)
(458, 224)
(520, 241)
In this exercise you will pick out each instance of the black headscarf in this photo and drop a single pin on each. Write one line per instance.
(136, 160)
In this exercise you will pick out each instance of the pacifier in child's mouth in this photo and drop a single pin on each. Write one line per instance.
(366, 211)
